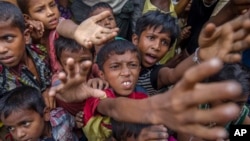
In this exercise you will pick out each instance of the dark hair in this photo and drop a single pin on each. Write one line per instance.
(63, 44)
(23, 5)
(99, 5)
(11, 13)
(122, 130)
(233, 72)
(115, 47)
(24, 97)
(155, 19)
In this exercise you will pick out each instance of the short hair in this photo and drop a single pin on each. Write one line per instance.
(122, 130)
(115, 47)
(99, 5)
(23, 5)
(233, 72)
(155, 19)
(22, 98)
(10, 12)
(66, 44)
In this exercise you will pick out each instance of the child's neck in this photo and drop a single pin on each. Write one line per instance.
(29, 63)
(45, 38)
(47, 132)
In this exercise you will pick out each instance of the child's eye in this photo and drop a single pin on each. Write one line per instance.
(53, 4)
(9, 38)
(150, 37)
(26, 124)
(10, 128)
(111, 18)
(39, 9)
(133, 65)
(165, 43)
(114, 66)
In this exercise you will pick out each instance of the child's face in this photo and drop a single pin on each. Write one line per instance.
(24, 125)
(45, 11)
(122, 72)
(108, 22)
(152, 44)
(12, 44)
(78, 56)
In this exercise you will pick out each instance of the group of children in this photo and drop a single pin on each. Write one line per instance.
(115, 89)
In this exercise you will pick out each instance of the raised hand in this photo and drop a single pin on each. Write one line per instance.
(98, 83)
(89, 33)
(73, 87)
(225, 41)
(178, 107)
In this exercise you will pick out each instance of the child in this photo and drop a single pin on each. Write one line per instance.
(46, 12)
(108, 22)
(68, 48)
(119, 63)
(154, 36)
(21, 63)
(25, 115)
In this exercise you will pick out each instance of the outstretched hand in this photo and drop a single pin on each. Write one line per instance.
(183, 100)
(226, 41)
(73, 87)
(89, 33)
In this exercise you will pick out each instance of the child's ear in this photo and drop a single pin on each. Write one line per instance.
(135, 39)
(26, 17)
(27, 37)
(101, 75)
(46, 114)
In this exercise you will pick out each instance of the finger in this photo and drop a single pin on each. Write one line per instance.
(100, 16)
(52, 102)
(62, 77)
(205, 132)
(223, 113)
(91, 92)
(209, 30)
(70, 67)
(206, 93)
(85, 67)
(199, 73)
(232, 58)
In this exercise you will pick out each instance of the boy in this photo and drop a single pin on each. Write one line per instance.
(20, 62)
(119, 63)
(68, 48)
(155, 34)
(23, 112)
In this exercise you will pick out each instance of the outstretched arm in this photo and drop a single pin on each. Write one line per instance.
(225, 42)
(178, 108)
(88, 32)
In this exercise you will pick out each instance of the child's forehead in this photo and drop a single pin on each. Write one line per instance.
(131, 54)
(100, 10)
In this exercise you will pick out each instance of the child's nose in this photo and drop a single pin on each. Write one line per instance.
(20, 133)
(3, 49)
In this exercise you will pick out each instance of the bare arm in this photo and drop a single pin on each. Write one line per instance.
(179, 8)
(177, 108)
